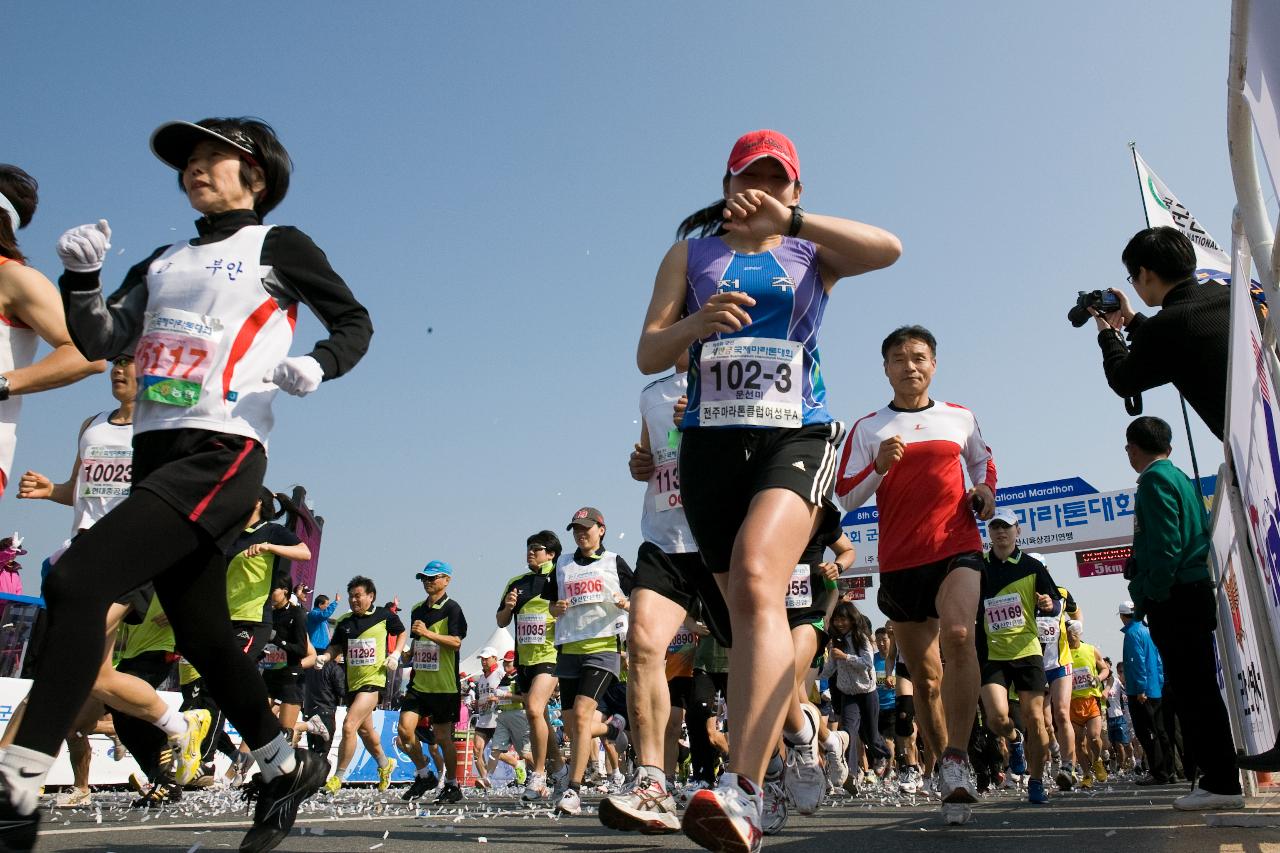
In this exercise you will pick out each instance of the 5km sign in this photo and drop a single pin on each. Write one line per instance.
(1102, 561)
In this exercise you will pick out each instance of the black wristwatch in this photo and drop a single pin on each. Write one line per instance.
(4, 388)
(797, 220)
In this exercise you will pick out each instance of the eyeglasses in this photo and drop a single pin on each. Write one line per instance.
(122, 361)
(1129, 279)
(533, 549)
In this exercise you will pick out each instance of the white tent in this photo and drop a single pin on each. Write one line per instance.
(502, 642)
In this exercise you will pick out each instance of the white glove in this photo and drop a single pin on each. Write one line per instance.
(321, 660)
(83, 248)
(298, 375)
(392, 663)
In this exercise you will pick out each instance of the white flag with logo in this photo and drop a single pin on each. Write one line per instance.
(1163, 208)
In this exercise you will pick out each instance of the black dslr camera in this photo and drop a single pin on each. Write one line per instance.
(1102, 301)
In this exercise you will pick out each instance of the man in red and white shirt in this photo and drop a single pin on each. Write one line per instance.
(914, 455)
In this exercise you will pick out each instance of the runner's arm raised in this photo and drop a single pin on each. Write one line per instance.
(105, 328)
(847, 248)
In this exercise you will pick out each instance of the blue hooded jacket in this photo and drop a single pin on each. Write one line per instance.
(1143, 669)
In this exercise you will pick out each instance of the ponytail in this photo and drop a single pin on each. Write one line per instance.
(276, 504)
(707, 222)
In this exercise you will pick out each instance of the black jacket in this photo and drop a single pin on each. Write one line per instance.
(1186, 343)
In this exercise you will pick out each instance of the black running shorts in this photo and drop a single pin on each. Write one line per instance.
(910, 595)
(684, 579)
(722, 469)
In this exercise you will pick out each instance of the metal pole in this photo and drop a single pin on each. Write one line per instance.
(1244, 164)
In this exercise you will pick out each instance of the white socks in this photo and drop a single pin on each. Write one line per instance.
(172, 723)
(276, 758)
(24, 771)
(655, 773)
(423, 772)
(381, 758)
(805, 734)
(833, 743)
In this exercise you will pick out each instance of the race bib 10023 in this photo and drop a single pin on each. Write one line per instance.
(106, 472)
(751, 382)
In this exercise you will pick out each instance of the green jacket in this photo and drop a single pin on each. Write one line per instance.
(1170, 535)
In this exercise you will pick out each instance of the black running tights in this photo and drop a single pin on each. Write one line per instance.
(143, 539)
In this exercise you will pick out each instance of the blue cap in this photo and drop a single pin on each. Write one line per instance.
(436, 567)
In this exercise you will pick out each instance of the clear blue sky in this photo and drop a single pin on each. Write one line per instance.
(508, 177)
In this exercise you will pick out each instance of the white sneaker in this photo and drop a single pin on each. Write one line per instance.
(727, 818)
(957, 787)
(837, 767)
(686, 793)
(647, 808)
(316, 726)
(569, 803)
(909, 781)
(73, 798)
(803, 777)
(1201, 800)
(536, 789)
(774, 817)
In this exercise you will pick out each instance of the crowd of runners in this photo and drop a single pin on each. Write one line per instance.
(662, 687)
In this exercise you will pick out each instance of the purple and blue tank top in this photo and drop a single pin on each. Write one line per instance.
(769, 373)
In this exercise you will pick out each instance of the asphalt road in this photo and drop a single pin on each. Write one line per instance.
(1118, 817)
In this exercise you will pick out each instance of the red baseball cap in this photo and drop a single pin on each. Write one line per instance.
(750, 147)
(510, 655)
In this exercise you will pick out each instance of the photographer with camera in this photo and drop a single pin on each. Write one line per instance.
(1186, 343)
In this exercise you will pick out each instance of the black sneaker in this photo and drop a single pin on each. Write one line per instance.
(17, 831)
(450, 793)
(420, 786)
(162, 793)
(278, 800)
(1153, 780)
(1268, 762)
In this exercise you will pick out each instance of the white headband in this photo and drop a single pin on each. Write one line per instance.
(7, 207)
